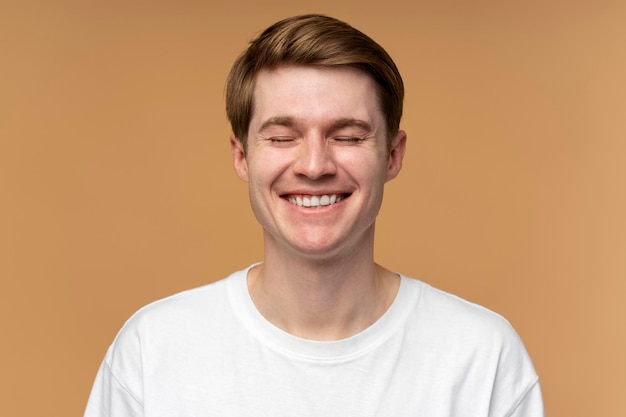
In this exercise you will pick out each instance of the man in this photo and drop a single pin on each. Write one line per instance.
(317, 328)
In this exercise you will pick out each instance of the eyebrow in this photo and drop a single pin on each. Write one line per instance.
(289, 121)
(277, 121)
(350, 122)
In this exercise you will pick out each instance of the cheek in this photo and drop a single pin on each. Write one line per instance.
(266, 167)
(368, 166)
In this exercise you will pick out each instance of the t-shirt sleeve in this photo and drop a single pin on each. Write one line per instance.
(531, 404)
(109, 398)
(516, 391)
(118, 388)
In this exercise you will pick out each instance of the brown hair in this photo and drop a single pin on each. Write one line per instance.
(312, 40)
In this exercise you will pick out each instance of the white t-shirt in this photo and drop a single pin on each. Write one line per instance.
(209, 352)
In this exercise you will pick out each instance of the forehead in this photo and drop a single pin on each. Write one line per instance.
(313, 94)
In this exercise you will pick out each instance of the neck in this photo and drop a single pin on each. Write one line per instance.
(322, 299)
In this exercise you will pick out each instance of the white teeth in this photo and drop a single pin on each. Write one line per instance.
(315, 201)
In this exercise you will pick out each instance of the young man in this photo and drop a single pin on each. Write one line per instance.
(317, 328)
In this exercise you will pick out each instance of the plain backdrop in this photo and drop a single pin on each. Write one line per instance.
(116, 183)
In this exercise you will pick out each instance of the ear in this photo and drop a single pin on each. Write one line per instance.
(239, 157)
(396, 155)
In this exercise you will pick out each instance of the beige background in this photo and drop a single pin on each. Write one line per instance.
(117, 188)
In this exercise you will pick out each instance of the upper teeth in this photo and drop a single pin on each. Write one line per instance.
(315, 200)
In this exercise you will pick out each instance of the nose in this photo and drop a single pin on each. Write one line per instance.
(315, 159)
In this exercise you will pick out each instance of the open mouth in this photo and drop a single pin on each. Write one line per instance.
(315, 201)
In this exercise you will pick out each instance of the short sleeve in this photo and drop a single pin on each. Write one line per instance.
(109, 398)
(531, 404)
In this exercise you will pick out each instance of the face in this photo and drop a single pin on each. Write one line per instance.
(317, 159)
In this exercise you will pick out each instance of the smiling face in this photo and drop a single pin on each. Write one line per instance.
(317, 159)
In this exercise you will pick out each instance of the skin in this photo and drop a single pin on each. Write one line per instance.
(318, 132)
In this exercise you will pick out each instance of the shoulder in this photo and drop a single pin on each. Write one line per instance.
(447, 313)
(470, 345)
(466, 332)
(175, 309)
(166, 333)
(180, 319)
(196, 302)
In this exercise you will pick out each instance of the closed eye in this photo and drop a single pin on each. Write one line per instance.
(349, 139)
(281, 139)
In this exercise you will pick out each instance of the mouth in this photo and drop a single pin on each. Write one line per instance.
(314, 201)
